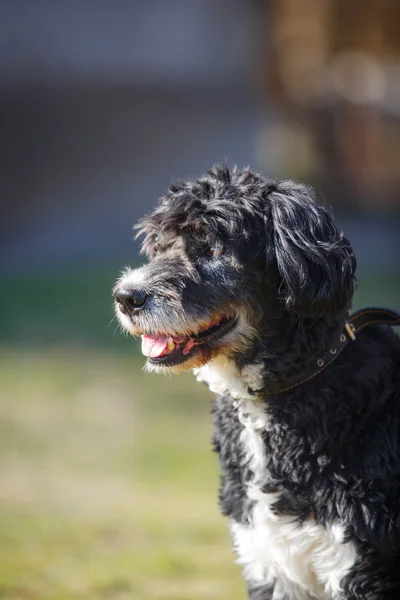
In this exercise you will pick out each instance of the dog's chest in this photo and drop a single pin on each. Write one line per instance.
(306, 560)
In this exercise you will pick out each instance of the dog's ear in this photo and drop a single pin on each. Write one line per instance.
(314, 259)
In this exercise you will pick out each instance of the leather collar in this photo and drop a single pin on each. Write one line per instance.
(355, 323)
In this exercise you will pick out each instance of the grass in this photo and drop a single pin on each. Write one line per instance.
(108, 487)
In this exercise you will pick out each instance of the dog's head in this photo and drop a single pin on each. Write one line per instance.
(227, 254)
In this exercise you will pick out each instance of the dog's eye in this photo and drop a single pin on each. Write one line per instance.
(214, 251)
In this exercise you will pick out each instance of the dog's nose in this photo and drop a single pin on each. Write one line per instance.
(130, 300)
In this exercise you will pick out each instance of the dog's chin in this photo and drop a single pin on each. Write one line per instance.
(197, 360)
(195, 350)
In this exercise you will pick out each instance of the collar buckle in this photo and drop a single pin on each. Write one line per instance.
(350, 330)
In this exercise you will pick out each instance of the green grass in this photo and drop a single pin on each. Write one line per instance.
(108, 487)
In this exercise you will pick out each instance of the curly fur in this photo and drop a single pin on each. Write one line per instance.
(310, 479)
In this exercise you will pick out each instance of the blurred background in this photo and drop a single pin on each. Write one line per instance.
(108, 487)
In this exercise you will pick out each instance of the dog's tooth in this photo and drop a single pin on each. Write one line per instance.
(171, 343)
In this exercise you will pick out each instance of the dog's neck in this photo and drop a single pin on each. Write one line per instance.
(283, 351)
(224, 378)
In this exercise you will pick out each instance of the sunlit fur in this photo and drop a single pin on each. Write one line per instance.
(310, 478)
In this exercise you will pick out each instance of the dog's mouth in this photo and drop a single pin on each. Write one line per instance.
(170, 351)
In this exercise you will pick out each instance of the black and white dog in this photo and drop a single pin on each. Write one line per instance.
(249, 282)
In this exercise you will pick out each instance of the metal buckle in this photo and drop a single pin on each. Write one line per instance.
(350, 329)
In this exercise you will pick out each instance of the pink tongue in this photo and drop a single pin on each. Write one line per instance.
(154, 345)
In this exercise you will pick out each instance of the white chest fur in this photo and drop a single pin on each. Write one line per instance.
(308, 560)
(222, 377)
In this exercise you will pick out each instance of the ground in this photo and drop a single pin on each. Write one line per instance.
(102, 494)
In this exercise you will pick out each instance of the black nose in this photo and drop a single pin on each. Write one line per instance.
(130, 300)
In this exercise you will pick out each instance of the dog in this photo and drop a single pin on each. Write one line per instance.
(249, 284)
